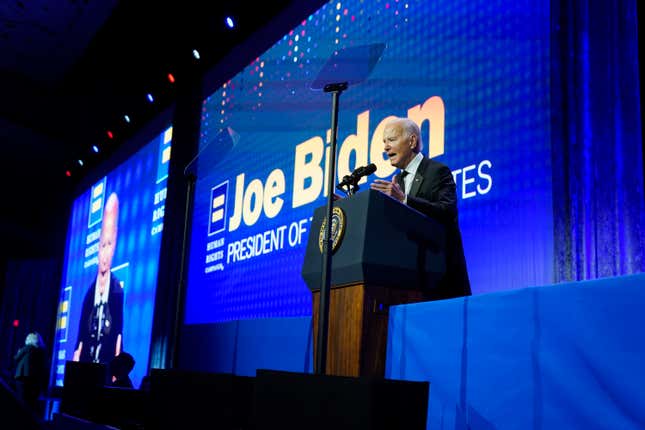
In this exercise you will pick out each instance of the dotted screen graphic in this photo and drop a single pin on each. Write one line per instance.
(479, 69)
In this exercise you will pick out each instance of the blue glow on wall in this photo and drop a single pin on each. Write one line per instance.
(478, 71)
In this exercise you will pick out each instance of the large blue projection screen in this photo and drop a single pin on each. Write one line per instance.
(140, 187)
(474, 75)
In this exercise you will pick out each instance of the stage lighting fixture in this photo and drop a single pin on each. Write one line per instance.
(80, 162)
(150, 98)
(229, 22)
(16, 323)
(95, 148)
(171, 78)
(126, 118)
(68, 173)
(110, 134)
(196, 54)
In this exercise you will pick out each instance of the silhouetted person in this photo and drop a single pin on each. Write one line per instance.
(120, 368)
(31, 371)
(145, 383)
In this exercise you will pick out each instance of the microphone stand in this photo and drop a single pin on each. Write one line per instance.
(179, 305)
(347, 66)
(350, 188)
(323, 329)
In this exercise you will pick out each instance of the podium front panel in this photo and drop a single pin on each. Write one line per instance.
(384, 243)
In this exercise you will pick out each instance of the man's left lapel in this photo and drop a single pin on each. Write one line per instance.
(418, 177)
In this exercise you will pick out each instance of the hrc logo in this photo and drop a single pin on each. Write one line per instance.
(164, 155)
(96, 203)
(217, 218)
(63, 314)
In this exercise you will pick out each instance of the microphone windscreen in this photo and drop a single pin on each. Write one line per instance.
(370, 168)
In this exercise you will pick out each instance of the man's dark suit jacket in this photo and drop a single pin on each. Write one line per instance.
(433, 193)
(113, 326)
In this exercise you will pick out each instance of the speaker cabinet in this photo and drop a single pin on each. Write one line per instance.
(181, 399)
(82, 383)
(289, 400)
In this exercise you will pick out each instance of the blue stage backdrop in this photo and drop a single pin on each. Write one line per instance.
(474, 75)
(140, 184)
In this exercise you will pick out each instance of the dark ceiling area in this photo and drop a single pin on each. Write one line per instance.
(70, 70)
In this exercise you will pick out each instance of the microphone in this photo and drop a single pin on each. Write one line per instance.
(365, 171)
(357, 175)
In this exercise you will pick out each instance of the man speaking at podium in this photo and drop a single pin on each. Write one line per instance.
(427, 186)
(100, 330)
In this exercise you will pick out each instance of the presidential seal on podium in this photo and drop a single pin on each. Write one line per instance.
(337, 229)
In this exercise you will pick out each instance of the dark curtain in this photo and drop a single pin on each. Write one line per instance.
(597, 142)
(31, 294)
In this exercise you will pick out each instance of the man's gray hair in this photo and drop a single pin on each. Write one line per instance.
(411, 128)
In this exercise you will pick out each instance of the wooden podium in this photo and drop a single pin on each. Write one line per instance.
(387, 254)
